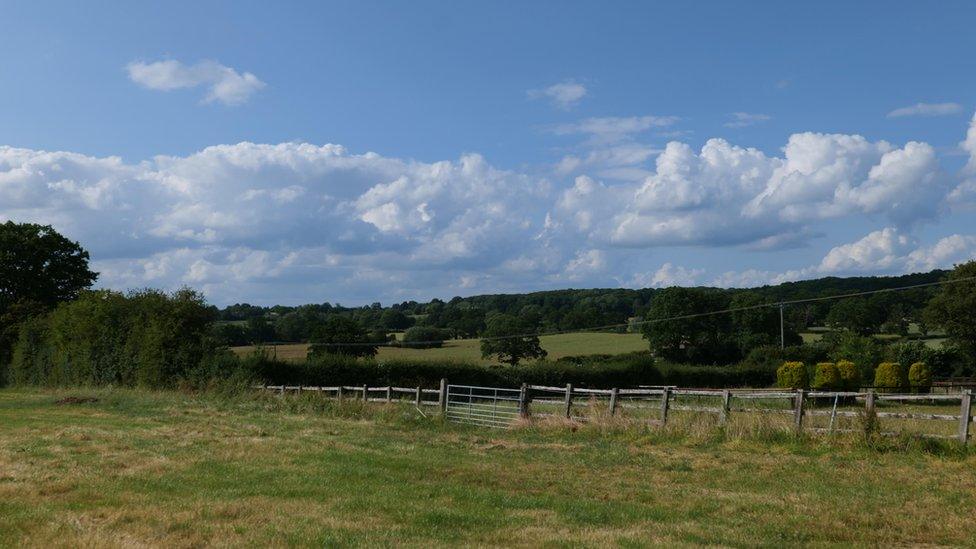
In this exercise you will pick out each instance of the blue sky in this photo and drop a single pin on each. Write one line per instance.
(489, 147)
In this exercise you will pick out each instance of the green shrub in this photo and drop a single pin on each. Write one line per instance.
(920, 377)
(792, 375)
(890, 376)
(827, 376)
(145, 338)
(424, 337)
(850, 375)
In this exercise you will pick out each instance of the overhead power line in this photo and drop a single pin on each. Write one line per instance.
(678, 317)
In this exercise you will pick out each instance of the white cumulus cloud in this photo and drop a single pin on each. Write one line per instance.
(965, 193)
(299, 222)
(292, 211)
(224, 84)
(725, 194)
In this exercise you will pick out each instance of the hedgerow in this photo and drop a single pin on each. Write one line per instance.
(146, 338)
(596, 371)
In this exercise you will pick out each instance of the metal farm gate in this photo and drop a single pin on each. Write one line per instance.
(485, 406)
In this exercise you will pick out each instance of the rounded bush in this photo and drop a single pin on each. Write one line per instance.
(920, 377)
(792, 375)
(424, 337)
(850, 376)
(827, 376)
(889, 376)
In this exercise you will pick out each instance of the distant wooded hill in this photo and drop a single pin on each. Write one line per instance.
(573, 309)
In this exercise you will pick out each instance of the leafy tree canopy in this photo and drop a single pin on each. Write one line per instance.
(699, 339)
(39, 268)
(40, 265)
(499, 343)
(954, 306)
(340, 335)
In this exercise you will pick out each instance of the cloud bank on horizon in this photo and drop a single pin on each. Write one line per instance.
(296, 222)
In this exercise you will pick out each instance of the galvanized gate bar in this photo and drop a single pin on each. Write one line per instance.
(484, 406)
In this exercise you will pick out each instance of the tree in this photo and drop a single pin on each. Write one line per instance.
(953, 306)
(341, 335)
(39, 268)
(505, 339)
(259, 330)
(699, 339)
(231, 335)
(424, 337)
(393, 320)
(300, 324)
(756, 326)
(464, 321)
(859, 315)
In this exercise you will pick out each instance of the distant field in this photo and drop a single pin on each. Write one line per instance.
(558, 346)
(816, 334)
(158, 469)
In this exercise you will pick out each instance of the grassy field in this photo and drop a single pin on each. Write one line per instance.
(137, 468)
(470, 349)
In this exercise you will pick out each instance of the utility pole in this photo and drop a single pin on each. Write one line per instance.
(782, 329)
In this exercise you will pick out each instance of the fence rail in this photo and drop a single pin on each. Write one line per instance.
(501, 407)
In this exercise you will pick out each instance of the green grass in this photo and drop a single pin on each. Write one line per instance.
(933, 340)
(557, 346)
(141, 468)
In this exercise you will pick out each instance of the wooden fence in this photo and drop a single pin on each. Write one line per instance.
(800, 405)
(418, 395)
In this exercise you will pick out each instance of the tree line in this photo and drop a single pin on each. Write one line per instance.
(581, 309)
(54, 329)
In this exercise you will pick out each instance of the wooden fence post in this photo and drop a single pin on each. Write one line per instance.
(365, 393)
(613, 400)
(965, 411)
(420, 396)
(569, 400)
(665, 404)
(798, 410)
(869, 403)
(339, 393)
(299, 390)
(389, 393)
(524, 401)
(726, 400)
(282, 389)
(442, 400)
